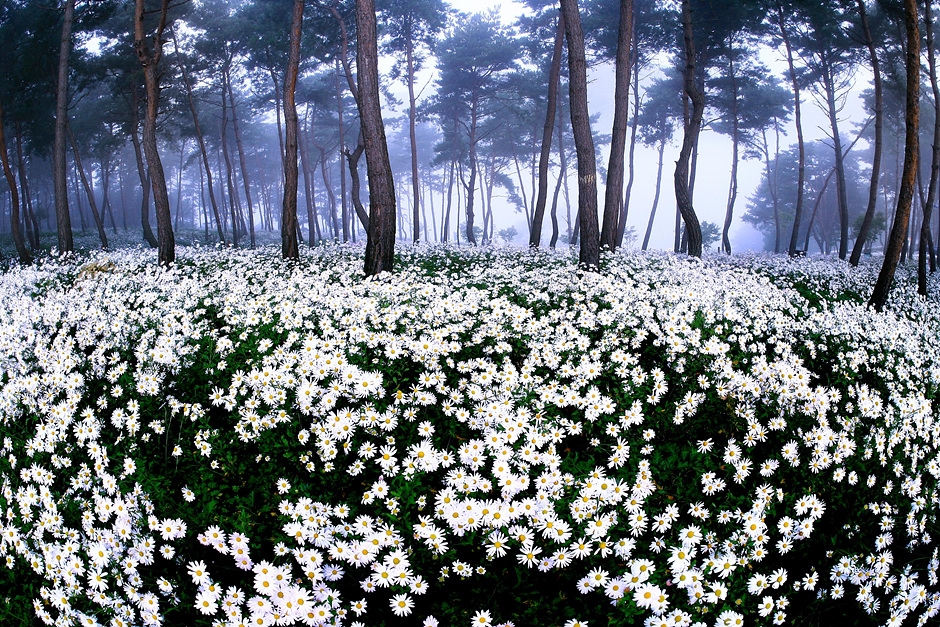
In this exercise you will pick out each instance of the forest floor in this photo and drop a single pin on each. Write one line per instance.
(488, 436)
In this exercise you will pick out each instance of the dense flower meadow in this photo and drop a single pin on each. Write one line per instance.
(488, 437)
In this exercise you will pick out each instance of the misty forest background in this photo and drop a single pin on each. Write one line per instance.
(465, 100)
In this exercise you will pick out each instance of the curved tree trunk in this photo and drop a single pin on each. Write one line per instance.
(59, 179)
(589, 256)
(693, 230)
(613, 194)
(911, 146)
(554, 79)
(659, 181)
(99, 223)
(380, 243)
(149, 237)
(735, 156)
(289, 248)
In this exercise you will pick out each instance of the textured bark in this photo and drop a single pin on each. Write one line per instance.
(149, 62)
(589, 256)
(902, 214)
(289, 248)
(613, 195)
(798, 122)
(380, 243)
(21, 250)
(879, 115)
(693, 230)
(554, 79)
(59, 182)
(142, 174)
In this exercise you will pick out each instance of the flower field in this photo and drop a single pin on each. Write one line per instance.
(488, 437)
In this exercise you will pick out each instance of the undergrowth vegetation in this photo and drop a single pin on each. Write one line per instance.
(486, 437)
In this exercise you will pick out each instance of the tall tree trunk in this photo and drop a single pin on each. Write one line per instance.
(693, 230)
(106, 208)
(830, 88)
(289, 248)
(59, 174)
(342, 151)
(149, 61)
(735, 142)
(25, 257)
(142, 172)
(659, 181)
(179, 186)
(243, 164)
(911, 147)
(380, 244)
(925, 233)
(589, 256)
(412, 133)
(32, 228)
(99, 223)
(772, 183)
(230, 184)
(331, 197)
(554, 80)
(303, 144)
(445, 227)
(199, 139)
(622, 228)
(879, 116)
(613, 195)
(471, 187)
(798, 121)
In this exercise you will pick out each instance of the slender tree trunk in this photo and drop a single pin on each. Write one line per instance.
(199, 139)
(445, 228)
(142, 173)
(830, 88)
(27, 203)
(911, 147)
(622, 228)
(735, 142)
(179, 186)
(613, 195)
(412, 133)
(243, 164)
(99, 223)
(106, 208)
(278, 106)
(149, 61)
(331, 197)
(659, 180)
(25, 257)
(59, 175)
(380, 244)
(554, 80)
(693, 230)
(289, 248)
(303, 145)
(589, 256)
(342, 151)
(471, 188)
(230, 184)
(925, 233)
(879, 116)
(772, 185)
(798, 121)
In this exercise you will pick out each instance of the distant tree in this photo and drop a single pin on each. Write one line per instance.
(711, 234)
(412, 27)
(902, 214)
(508, 234)
(380, 245)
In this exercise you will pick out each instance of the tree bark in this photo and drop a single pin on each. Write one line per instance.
(554, 80)
(829, 86)
(693, 230)
(380, 242)
(735, 155)
(631, 170)
(32, 224)
(243, 164)
(149, 237)
(342, 151)
(149, 61)
(229, 182)
(911, 147)
(589, 256)
(289, 248)
(59, 175)
(25, 257)
(613, 194)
